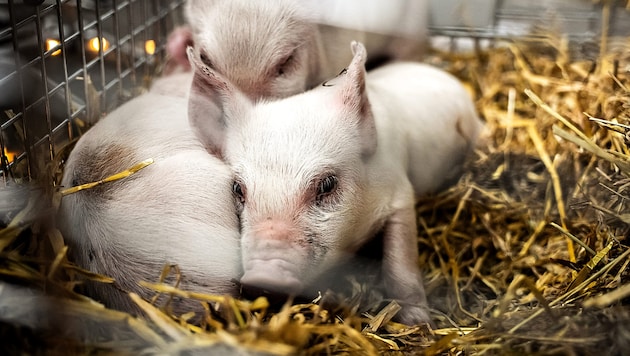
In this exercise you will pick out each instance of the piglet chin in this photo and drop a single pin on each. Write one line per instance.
(271, 276)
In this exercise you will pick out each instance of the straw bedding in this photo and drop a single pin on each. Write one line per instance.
(526, 254)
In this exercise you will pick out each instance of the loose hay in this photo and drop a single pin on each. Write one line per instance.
(527, 254)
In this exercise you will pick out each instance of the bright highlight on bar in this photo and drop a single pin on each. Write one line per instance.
(149, 47)
(52, 43)
(10, 156)
(94, 44)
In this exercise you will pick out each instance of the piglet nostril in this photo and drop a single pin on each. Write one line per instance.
(274, 297)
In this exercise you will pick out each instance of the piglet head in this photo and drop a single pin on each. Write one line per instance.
(268, 49)
(300, 178)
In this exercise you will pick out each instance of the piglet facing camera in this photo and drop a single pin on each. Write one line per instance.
(320, 174)
(178, 210)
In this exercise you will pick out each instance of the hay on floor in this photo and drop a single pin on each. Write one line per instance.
(527, 253)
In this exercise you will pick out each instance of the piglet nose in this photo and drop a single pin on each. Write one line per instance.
(271, 229)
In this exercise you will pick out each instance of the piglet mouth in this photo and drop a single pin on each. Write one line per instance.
(270, 278)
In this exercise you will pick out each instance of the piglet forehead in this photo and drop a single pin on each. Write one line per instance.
(300, 136)
(281, 150)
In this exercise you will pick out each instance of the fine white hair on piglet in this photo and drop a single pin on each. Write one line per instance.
(321, 173)
(266, 48)
(276, 48)
(178, 210)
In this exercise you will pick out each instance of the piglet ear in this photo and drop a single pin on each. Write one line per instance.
(355, 99)
(213, 105)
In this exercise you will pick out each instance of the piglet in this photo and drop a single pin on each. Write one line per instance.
(178, 210)
(319, 174)
(276, 48)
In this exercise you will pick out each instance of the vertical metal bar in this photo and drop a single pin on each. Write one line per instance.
(134, 81)
(18, 68)
(64, 59)
(143, 26)
(86, 79)
(118, 49)
(44, 74)
(157, 33)
(101, 57)
(4, 163)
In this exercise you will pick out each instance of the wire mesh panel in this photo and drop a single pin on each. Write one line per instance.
(63, 64)
(581, 21)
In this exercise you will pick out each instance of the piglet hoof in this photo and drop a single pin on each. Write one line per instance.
(414, 315)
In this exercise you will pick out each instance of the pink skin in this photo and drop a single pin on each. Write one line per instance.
(176, 45)
(272, 237)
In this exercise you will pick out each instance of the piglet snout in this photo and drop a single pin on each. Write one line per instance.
(271, 264)
(270, 277)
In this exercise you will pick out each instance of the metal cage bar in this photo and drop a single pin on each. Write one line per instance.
(55, 79)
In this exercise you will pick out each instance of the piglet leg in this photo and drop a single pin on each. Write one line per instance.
(401, 274)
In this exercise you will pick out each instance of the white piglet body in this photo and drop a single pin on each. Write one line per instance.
(427, 118)
(178, 210)
(321, 173)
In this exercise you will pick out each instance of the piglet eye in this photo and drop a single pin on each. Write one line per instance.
(285, 65)
(326, 186)
(204, 58)
(238, 192)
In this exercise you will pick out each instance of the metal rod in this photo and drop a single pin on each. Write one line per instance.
(118, 49)
(101, 57)
(18, 68)
(133, 44)
(83, 58)
(64, 59)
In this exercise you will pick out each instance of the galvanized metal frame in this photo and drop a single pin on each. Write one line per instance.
(121, 69)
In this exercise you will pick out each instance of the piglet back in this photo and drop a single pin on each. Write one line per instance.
(432, 118)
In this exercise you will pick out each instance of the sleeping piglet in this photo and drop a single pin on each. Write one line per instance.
(178, 210)
(319, 174)
(275, 48)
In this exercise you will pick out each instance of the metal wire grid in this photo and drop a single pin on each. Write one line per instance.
(68, 62)
(65, 62)
(466, 24)
(497, 19)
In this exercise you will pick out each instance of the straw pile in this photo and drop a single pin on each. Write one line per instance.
(527, 254)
